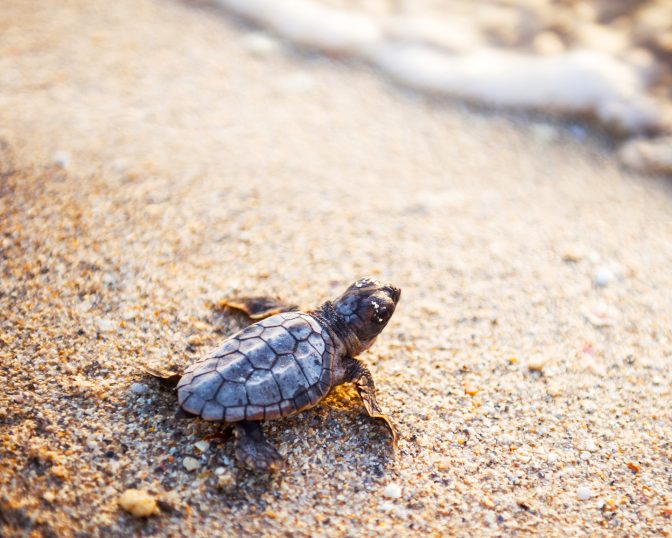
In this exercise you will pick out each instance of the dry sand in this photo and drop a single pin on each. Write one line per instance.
(152, 164)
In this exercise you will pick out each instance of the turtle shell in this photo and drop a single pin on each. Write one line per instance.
(269, 370)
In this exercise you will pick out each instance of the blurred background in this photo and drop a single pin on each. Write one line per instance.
(609, 61)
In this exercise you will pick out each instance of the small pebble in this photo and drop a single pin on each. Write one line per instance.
(195, 340)
(602, 315)
(589, 406)
(392, 491)
(572, 254)
(471, 390)
(61, 158)
(505, 440)
(590, 445)
(139, 388)
(487, 502)
(59, 471)
(443, 464)
(138, 503)
(535, 364)
(105, 325)
(585, 455)
(128, 315)
(202, 446)
(190, 464)
(603, 276)
(583, 493)
(226, 480)
(259, 44)
(555, 389)
(633, 466)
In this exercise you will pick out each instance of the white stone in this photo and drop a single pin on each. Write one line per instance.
(202, 446)
(139, 388)
(259, 44)
(128, 315)
(392, 491)
(589, 406)
(61, 158)
(583, 493)
(505, 440)
(602, 315)
(190, 464)
(590, 445)
(106, 325)
(603, 276)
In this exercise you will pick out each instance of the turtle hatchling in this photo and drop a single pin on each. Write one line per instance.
(285, 364)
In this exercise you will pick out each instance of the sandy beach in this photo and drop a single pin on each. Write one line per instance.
(155, 158)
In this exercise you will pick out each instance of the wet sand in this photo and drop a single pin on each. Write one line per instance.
(153, 162)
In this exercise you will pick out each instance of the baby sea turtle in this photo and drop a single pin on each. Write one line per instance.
(287, 363)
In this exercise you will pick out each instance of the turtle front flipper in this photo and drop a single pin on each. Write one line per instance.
(253, 450)
(257, 308)
(363, 379)
(168, 378)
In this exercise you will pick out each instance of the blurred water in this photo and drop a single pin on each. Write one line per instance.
(607, 61)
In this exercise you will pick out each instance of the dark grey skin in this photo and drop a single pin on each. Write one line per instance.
(287, 363)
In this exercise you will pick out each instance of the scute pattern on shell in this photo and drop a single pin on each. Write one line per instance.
(272, 369)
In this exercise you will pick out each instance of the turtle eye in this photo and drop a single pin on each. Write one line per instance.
(382, 316)
(379, 312)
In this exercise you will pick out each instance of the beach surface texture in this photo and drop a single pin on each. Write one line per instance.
(159, 156)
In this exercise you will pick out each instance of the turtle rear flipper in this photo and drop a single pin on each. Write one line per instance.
(168, 378)
(253, 450)
(258, 307)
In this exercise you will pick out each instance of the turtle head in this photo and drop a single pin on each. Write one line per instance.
(367, 306)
